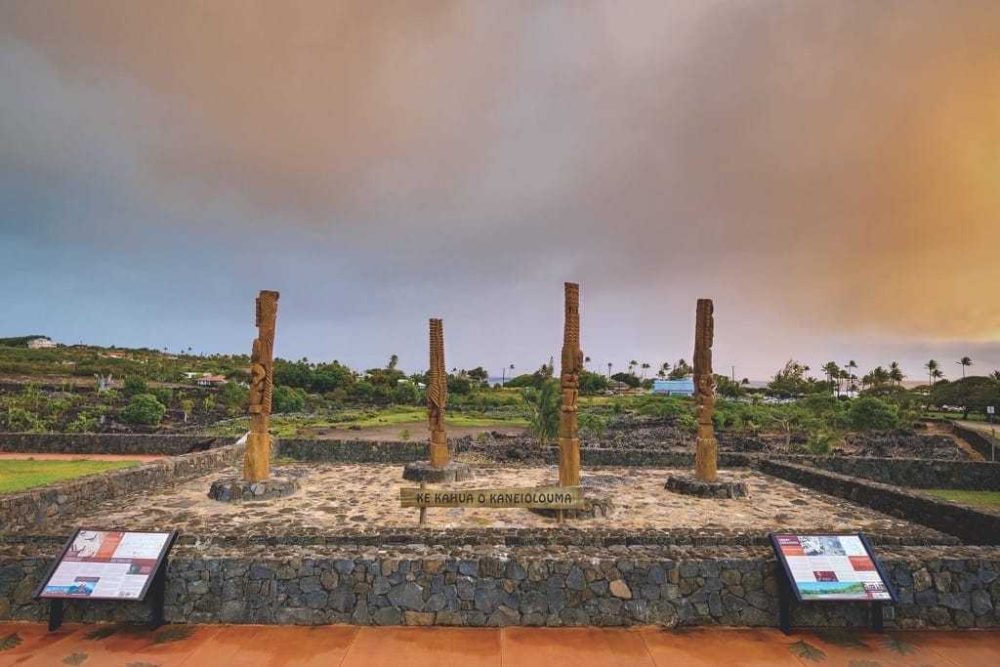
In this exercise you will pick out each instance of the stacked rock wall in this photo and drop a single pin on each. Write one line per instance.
(950, 587)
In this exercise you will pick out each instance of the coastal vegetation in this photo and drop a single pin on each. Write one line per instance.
(93, 389)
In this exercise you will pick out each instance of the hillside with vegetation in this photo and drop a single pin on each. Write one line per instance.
(82, 388)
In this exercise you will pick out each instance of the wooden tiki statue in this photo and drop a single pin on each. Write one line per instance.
(437, 396)
(569, 381)
(257, 461)
(707, 449)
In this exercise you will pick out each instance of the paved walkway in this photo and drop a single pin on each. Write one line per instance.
(249, 645)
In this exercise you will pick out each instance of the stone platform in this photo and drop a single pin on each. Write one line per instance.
(234, 489)
(422, 471)
(723, 487)
(348, 499)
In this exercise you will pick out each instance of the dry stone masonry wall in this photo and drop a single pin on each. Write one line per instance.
(956, 587)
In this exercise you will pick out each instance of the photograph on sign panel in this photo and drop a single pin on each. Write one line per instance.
(821, 545)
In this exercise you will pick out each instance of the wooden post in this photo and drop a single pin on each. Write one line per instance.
(257, 460)
(569, 379)
(423, 510)
(437, 397)
(706, 448)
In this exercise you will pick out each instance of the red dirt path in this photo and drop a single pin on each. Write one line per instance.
(348, 646)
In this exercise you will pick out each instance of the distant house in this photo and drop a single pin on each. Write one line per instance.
(683, 387)
(211, 381)
(40, 343)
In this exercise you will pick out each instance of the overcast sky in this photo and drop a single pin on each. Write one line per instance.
(827, 172)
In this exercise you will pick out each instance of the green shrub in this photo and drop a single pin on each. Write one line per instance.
(592, 383)
(406, 393)
(134, 385)
(143, 409)
(164, 395)
(592, 424)
(235, 398)
(820, 441)
(870, 413)
(85, 422)
(543, 408)
(286, 399)
(21, 420)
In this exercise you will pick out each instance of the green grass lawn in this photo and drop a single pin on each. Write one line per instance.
(290, 426)
(957, 416)
(986, 499)
(18, 475)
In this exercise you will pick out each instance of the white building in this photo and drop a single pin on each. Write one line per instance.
(40, 343)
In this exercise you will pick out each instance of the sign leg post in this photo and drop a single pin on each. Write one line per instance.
(56, 608)
(157, 616)
(878, 620)
(784, 604)
(423, 510)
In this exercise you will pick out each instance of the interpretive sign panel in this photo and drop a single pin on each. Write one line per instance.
(107, 565)
(542, 497)
(831, 568)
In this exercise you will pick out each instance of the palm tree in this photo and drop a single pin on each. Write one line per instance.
(665, 368)
(832, 371)
(609, 370)
(503, 374)
(896, 372)
(851, 367)
(937, 374)
(963, 362)
(631, 366)
(586, 360)
(932, 367)
(645, 367)
(995, 375)
(543, 410)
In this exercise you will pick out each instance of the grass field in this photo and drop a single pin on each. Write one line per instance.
(290, 426)
(956, 416)
(986, 499)
(26, 474)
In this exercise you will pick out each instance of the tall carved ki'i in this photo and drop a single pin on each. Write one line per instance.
(569, 381)
(707, 449)
(257, 461)
(437, 396)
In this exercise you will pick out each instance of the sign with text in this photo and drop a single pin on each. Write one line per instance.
(107, 565)
(541, 497)
(831, 567)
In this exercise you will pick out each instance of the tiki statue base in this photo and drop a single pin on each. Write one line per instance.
(234, 489)
(720, 488)
(422, 471)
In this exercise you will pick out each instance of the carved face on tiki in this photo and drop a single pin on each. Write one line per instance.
(569, 400)
(706, 408)
(258, 379)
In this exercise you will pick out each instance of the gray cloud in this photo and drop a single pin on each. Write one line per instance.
(826, 172)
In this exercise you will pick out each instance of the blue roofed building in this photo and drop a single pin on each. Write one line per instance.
(683, 387)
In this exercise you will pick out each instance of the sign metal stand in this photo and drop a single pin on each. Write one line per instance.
(154, 590)
(788, 593)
